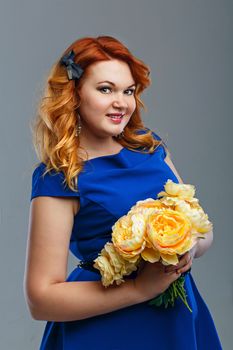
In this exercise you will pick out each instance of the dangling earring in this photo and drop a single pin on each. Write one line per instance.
(121, 135)
(78, 130)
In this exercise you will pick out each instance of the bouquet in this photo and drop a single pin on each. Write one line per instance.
(155, 230)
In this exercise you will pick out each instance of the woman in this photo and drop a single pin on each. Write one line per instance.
(97, 159)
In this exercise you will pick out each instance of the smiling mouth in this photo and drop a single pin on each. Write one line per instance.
(115, 116)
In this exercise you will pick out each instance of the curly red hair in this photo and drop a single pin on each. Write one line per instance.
(56, 122)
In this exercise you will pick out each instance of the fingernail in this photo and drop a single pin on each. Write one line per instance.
(178, 271)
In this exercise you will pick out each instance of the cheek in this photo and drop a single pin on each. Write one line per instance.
(132, 104)
(97, 104)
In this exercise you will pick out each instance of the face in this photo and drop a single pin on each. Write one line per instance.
(108, 88)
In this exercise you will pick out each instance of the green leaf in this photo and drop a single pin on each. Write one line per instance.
(174, 291)
(157, 301)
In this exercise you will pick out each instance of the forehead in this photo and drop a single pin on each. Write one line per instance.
(114, 70)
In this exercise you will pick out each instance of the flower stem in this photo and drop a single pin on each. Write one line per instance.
(174, 291)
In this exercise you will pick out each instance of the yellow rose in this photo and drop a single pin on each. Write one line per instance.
(106, 270)
(128, 236)
(180, 190)
(169, 234)
(198, 218)
(112, 266)
(171, 202)
(146, 207)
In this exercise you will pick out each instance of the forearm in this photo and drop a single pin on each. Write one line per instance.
(69, 301)
(203, 244)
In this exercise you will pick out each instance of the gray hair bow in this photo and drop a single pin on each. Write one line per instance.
(74, 70)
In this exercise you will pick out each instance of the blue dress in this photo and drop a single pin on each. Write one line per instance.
(108, 187)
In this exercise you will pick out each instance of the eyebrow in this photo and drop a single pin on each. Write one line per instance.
(107, 81)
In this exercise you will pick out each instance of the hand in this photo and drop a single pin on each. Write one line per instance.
(185, 262)
(152, 280)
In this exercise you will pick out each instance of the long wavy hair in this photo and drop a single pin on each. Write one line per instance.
(56, 120)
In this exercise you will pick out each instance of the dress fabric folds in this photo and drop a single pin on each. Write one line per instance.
(108, 187)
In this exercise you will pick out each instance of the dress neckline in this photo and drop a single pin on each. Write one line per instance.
(106, 156)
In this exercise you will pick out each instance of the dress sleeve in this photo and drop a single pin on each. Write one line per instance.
(51, 184)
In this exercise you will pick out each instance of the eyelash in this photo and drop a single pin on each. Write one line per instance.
(107, 87)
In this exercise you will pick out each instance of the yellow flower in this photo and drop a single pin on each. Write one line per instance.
(171, 202)
(180, 197)
(106, 270)
(146, 207)
(112, 266)
(128, 236)
(153, 230)
(183, 191)
(169, 234)
(198, 218)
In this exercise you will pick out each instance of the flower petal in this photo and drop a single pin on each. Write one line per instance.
(150, 255)
(169, 259)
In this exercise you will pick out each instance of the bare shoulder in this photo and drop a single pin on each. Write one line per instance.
(171, 165)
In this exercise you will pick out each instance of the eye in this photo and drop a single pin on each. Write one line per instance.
(131, 91)
(104, 88)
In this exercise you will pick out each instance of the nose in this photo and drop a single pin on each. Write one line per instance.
(120, 101)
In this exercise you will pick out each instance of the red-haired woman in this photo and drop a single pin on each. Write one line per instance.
(97, 159)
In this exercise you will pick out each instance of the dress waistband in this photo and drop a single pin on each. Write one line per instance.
(87, 265)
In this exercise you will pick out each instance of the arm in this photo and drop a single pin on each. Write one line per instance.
(203, 244)
(49, 296)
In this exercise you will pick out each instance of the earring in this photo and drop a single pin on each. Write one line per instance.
(121, 135)
(78, 130)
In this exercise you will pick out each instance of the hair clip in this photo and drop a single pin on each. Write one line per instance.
(74, 70)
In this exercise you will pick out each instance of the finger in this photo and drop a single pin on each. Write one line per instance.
(183, 261)
(185, 268)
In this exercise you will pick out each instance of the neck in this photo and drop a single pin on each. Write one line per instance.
(98, 144)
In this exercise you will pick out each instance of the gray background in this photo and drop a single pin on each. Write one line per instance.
(188, 45)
